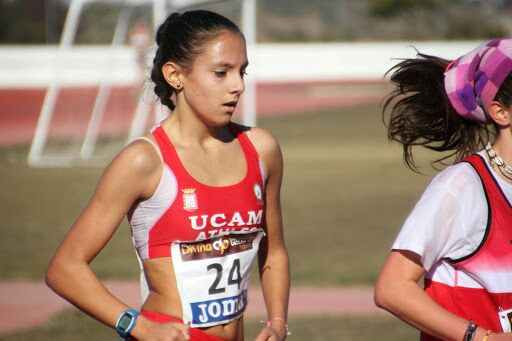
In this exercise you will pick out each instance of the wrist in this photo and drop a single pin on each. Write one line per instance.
(482, 334)
(141, 328)
(126, 322)
(471, 331)
(280, 326)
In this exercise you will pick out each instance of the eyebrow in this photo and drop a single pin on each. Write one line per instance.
(231, 66)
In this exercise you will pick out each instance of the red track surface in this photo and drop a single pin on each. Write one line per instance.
(28, 304)
(19, 108)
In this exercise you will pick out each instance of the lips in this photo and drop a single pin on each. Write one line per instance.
(231, 104)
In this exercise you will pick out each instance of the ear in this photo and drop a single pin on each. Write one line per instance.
(172, 74)
(500, 114)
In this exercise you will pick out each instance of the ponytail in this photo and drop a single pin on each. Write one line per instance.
(420, 113)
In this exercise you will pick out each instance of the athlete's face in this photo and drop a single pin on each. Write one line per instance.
(213, 85)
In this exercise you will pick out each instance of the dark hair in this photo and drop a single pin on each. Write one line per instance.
(504, 94)
(180, 39)
(421, 113)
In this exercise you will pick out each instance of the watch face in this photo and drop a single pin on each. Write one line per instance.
(125, 321)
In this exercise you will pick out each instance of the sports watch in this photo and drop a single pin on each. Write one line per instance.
(126, 322)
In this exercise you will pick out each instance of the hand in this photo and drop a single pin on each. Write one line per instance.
(165, 332)
(268, 334)
(275, 330)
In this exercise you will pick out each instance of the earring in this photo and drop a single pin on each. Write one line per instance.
(178, 85)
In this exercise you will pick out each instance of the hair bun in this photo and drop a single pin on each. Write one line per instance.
(160, 34)
(173, 17)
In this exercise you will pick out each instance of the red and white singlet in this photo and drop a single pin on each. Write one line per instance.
(478, 286)
(211, 233)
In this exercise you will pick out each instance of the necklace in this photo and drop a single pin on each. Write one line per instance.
(494, 159)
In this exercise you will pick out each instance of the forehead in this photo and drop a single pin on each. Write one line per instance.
(225, 48)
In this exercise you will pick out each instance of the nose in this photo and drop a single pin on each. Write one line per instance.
(238, 85)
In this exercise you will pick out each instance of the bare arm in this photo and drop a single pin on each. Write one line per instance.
(398, 292)
(273, 256)
(131, 176)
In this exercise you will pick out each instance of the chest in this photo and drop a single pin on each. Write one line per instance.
(223, 165)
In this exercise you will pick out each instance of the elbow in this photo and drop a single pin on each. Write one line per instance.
(381, 296)
(52, 276)
(55, 275)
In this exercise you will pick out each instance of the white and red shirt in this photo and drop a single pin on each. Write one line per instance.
(210, 232)
(462, 229)
(182, 208)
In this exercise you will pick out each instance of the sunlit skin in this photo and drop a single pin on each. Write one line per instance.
(214, 81)
(207, 94)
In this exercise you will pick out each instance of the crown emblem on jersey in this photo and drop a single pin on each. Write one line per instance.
(189, 199)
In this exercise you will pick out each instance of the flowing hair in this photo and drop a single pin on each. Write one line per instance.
(420, 113)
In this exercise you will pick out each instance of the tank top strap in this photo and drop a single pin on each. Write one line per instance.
(169, 154)
(171, 158)
(492, 188)
(246, 144)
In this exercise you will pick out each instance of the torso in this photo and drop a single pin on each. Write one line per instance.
(484, 275)
(190, 203)
(450, 228)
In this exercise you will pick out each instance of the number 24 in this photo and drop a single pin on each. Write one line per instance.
(233, 278)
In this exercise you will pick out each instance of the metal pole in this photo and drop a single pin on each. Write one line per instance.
(249, 29)
(41, 132)
(159, 13)
(100, 104)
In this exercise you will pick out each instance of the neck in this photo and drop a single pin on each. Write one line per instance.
(500, 155)
(503, 145)
(187, 129)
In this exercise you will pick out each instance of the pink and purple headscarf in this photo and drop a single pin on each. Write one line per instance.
(472, 81)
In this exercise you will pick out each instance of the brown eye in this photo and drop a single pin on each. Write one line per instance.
(220, 74)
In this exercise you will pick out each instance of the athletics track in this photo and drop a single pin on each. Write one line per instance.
(27, 304)
(19, 108)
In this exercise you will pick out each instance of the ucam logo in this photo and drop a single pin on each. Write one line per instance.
(223, 309)
(220, 220)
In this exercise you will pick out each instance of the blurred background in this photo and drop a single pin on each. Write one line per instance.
(74, 91)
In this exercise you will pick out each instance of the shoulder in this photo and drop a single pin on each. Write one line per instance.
(453, 195)
(449, 219)
(457, 179)
(139, 158)
(264, 142)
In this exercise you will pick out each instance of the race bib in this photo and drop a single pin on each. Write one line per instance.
(506, 320)
(212, 276)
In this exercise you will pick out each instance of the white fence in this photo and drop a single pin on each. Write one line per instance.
(37, 66)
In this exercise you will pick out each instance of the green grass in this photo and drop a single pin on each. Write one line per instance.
(73, 325)
(346, 193)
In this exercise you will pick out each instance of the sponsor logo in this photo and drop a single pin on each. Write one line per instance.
(217, 247)
(189, 199)
(258, 193)
(222, 309)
